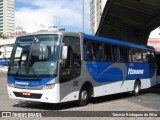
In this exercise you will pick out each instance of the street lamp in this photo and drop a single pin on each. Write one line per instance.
(82, 15)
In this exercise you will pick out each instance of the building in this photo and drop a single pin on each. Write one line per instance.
(7, 18)
(154, 42)
(6, 46)
(56, 28)
(53, 29)
(96, 10)
(19, 31)
(154, 39)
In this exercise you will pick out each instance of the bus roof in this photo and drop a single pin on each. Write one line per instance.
(51, 32)
(96, 38)
(117, 42)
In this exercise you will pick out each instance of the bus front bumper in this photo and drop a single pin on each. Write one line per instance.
(47, 96)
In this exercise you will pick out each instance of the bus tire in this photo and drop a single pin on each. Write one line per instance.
(83, 97)
(136, 89)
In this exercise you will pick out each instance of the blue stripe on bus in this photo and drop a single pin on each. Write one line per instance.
(113, 72)
(29, 82)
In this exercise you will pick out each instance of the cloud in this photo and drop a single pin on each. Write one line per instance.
(40, 14)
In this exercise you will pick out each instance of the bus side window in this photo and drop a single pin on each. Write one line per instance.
(123, 54)
(85, 50)
(146, 57)
(88, 51)
(99, 51)
(130, 54)
(153, 59)
(92, 50)
(107, 53)
(136, 55)
(116, 53)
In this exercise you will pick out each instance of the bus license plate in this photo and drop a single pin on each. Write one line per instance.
(26, 93)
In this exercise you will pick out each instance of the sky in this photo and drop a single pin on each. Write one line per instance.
(34, 15)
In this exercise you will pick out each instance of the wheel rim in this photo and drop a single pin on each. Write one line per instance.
(136, 89)
(84, 95)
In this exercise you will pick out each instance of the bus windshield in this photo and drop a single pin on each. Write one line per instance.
(35, 55)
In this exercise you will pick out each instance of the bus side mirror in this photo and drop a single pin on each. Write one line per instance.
(64, 57)
(66, 63)
(64, 52)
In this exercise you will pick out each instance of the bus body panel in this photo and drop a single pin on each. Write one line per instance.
(113, 72)
(158, 79)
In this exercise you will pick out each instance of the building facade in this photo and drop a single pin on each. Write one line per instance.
(6, 46)
(7, 17)
(56, 28)
(96, 10)
(154, 39)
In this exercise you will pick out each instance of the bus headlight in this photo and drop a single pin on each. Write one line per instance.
(48, 86)
(10, 84)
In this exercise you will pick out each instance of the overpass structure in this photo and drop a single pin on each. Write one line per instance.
(129, 20)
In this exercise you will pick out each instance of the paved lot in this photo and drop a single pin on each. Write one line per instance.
(148, 100)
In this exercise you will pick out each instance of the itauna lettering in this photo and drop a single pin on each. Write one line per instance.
(133, 72)
(21, 83)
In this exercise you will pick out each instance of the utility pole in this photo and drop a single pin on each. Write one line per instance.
(83, 16)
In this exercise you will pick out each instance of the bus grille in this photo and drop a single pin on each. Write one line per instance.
(34, 96)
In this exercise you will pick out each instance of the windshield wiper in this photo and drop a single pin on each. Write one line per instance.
(29, 57)
(34, 72)
(28, 61)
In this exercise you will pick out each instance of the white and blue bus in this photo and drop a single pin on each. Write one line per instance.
(56, 67)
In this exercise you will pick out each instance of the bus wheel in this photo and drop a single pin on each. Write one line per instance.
(136, 88)
(83, 97)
